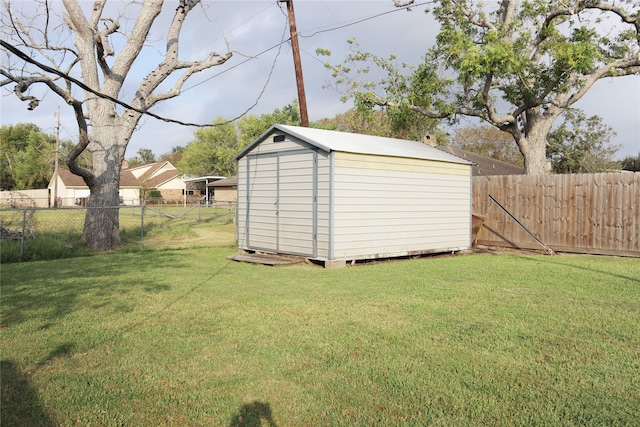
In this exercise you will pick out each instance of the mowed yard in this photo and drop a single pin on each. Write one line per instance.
(180, 336)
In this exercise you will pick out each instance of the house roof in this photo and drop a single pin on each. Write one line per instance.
(227, 182)
(329, 140)
(482, 165)
(70, 180)
(147, 170)
(157, 180)
(151, 178)
(206, 178)
(127, 179)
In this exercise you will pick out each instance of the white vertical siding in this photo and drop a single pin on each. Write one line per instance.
(260, 223)
(241, 209)
(394, 206)
(295, 204)
(366, 206)
(270, 146)
(281, 184)
(322, 206)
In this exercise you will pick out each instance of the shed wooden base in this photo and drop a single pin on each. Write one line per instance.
(335, 264)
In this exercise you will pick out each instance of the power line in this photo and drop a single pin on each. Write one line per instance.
(359, 21)
(273, 66)
(306, 36)
(77, 82)
(238, 64)
(51, 70)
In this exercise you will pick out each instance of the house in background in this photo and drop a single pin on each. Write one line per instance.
(336, 197)
(198, 188)
(73, 191)
(135, 183)
(224, 191)
(161, 176)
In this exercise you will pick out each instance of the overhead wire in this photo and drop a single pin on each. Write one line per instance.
(264, 87)
(80, 84)
(361, 20)
(17, 52)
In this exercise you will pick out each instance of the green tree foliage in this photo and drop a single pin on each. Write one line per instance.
(380, 123)
(174, 156)
(251, 127)
(26, 159)
(517, 65)
(488, 141)
(212, 150)
(581, 145)
(145, 156)
(631, 163)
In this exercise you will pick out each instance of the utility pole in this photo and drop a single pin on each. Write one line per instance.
(55, 163)
(302, 99)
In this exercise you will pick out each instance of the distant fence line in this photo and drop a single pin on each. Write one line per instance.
(584, 213)
(26, 225)
(41, 198)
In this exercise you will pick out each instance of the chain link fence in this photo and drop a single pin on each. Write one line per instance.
(30, 233)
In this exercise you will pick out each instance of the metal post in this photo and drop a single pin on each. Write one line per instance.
(24, 226)
(549, 250)
(55, 166)
(142, 227)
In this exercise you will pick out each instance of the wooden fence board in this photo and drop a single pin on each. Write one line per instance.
(586, 213)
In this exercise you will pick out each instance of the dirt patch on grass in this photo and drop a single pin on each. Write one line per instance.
(501, 250)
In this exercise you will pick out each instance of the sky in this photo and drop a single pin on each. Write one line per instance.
(260, 77)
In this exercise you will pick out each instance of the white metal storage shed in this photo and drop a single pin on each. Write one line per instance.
(336, 197)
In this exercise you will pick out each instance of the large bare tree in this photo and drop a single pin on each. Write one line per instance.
(82, 45)
(515, 64)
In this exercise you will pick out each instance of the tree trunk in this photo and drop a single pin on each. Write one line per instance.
(102, 223)
(534, 152)
(533, 142)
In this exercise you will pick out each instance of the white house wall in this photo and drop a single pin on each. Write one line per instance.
(130, 196)
(173, 184)
(386, 206)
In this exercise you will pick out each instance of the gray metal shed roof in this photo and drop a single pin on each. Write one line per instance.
(329, 140)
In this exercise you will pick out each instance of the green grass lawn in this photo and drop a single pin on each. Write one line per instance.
(57, 233)
(181, 336)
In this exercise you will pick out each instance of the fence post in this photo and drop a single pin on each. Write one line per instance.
(24, 228)
(142, 226)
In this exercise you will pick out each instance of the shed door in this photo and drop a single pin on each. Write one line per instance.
(281, 202)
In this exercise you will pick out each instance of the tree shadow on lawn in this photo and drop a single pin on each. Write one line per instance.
(558, 261)
(55, 293)
(252, 415)
(20, 403)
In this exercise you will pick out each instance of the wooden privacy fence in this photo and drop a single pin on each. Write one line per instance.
(585, 213)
